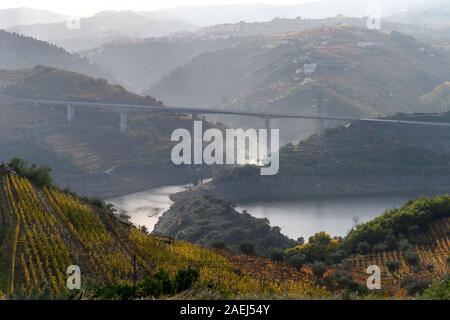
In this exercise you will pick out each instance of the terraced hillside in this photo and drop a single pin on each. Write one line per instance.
(360, 158)
(348, 71)
(44, 230)
(90, 154)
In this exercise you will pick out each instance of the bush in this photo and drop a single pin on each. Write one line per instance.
(218, 244)
(338, 256)
(277, 255)
(363, 248)
(156, 286)
(393, 266)
(319, 268)
(296, 260)
(411, 257)
(247, 248)
(414, 286)
(39, 175)
(439, 290)
(410, 218)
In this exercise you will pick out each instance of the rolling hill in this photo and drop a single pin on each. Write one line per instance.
(101, 28)
(352, 71)
(19, 52)
(44, 230)
(360, 158)
(90, 154)
(141, 63)
(26, 16)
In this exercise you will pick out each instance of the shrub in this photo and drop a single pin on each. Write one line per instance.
(439, 290)
(414, 286)
(338, 256)
(155, 286)
(296, 260)
(363, 247)
(393, 266)
(39, 175)
(319, 268)
(247, 248)
(277, 255)
(218, 244)
(411, 257)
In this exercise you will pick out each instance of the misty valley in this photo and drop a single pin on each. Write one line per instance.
(225, 152)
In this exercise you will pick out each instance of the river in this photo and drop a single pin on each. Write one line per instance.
(296, 218)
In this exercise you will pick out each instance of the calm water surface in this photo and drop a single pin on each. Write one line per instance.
(296, 218)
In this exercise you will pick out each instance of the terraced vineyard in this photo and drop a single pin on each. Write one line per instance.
(43, 231)
(432, 258)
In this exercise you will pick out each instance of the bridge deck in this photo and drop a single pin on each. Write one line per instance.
(196, 111)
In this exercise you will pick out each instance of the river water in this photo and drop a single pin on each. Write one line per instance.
(296, 218)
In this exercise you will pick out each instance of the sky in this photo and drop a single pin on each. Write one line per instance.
(89, 7)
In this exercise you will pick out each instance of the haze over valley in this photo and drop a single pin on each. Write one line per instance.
(99, 106)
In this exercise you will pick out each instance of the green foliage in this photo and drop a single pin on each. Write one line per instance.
(161, 284)
(414, 286)
(363, 248)
(393, 266)
(39, 175)
(277, 255)
(389, 228)
(439, 290)
(411, 257)
(296, 260)
(248, 248)
(218, 244)
(319, 248)
(319, 268)
(207, 219)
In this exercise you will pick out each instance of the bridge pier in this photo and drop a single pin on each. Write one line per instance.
(123, 121)
(269, 135)
(196, 155)
(70, 113)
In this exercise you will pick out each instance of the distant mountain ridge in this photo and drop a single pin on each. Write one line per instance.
(349, 71)
(19, 52)
(26, 16)
(101, 28)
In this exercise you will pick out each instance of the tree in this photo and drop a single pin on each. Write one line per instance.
(411, 257)
(363, 247)
(319, 268)
(247, 248)
(393, 266)
(277, 255)
(218, 244)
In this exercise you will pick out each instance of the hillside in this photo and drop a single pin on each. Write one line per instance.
(26, 16)
(361, 158)
(101, 28)
(89, 154)
(352, 71)
(44, 230)
(19, 52)
(209, 221)
(141, 63)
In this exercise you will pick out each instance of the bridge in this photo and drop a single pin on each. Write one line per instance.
(122, 109)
